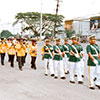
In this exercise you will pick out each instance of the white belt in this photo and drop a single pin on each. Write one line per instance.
(66, 51)
(57, 54)
(95, 55)
(47, 53)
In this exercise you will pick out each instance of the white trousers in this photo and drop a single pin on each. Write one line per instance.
(92, 71)
(66, 64)
(75, 68)
(82, 66)
(51, 68)
(59, 66)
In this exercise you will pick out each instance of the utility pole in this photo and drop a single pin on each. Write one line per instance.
(57, 9)
(41, 21)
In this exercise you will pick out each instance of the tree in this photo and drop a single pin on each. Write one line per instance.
(5, 34)
(31, 21)
(69, 33)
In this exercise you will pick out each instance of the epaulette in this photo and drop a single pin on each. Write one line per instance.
(88, 44)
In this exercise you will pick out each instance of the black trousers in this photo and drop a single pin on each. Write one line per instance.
(9, 58)
(24, 59)
(33, 60)
(2, 58)
(20, 62)
(16, 57)
(12, 60)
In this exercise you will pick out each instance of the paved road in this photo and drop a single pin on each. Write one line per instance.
(33, 85)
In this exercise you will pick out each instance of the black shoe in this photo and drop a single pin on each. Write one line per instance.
(72, 82)
(56, 77)
(98, 86)
(75, 75)
(80, 82)
(2, 64)
(20, 69)
(52, 75)
(95, 79)
(34, 68)
(63, 78)
(92, 88)
(46, 74)
(12, 66)
(67, 72)
(82, 76)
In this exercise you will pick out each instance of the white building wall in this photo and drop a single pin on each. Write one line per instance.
(82, 27)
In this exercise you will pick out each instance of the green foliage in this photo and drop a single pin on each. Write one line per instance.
(5, 34)
(31, 21)
(48, 35)
(69, 33)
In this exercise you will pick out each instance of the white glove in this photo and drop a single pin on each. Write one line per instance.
(95, 61)
(83, 58)
(76, 55)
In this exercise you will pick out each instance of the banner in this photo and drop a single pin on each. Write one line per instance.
(94, 23)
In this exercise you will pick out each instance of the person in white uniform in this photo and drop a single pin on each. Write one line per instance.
(93, 63)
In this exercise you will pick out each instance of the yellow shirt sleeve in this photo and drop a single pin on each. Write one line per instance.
(42, 50)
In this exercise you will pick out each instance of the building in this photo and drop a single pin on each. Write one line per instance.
(85, 26)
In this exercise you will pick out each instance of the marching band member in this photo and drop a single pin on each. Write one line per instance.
(33, 52)
(26, 46)
(58, 59)
(48, 58)
(8, 44)
(74, 60)
(66, 56)
(93, 63)
(81, 57)
(3, 46)
(20, 53)
(11, 52)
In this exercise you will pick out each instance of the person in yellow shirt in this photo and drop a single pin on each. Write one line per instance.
(8, 44)
(3, 47)
(11, 52)
(20, 53)
(17, 41)
(0, 47)
(26, 46)
(33, 52)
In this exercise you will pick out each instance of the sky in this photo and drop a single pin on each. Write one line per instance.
(69, 8)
